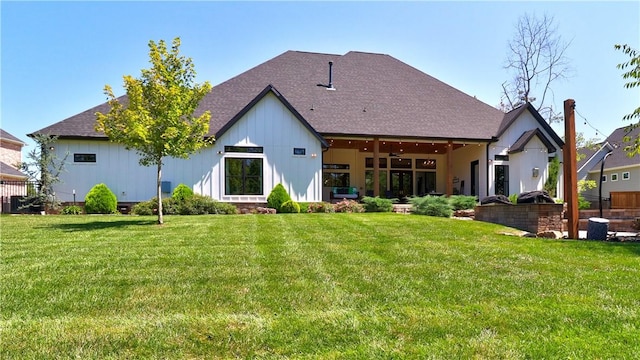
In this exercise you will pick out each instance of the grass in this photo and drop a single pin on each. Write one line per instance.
(309, 286)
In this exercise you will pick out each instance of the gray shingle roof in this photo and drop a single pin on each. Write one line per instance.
(6, 136)
(10, 171)
(374, 94)
(619, 157)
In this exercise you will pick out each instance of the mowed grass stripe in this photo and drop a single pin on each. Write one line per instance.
(309, 286)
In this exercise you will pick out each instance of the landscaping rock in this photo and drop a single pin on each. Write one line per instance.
(264, 210)
(469, 213)
(550, 234)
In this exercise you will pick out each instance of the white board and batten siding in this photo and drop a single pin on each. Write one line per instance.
(521, 164)
(269, 124)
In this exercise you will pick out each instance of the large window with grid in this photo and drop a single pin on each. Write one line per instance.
(243, 176)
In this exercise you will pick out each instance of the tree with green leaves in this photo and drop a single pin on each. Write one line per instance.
(44, 168)
(156, 119)
(632, 76)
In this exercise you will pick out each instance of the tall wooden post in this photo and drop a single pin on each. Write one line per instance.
(570, 169)
(376, 166)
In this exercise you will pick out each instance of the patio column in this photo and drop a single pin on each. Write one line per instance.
(450, 168)
(376, 167)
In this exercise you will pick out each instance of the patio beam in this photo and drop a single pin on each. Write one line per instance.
(376, 166)
(449, 191)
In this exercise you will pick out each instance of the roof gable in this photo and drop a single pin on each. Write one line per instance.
(254, 101)
(10, 171)
(524, 139)
(618, 157)
(5, 136)
(513, 115)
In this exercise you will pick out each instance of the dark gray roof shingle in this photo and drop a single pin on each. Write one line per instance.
(374, 94)
(6, 136)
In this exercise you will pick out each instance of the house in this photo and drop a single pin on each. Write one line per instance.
(620, 173)
(12, 180)
(319, 123)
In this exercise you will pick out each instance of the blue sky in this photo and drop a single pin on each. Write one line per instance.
(56, 57)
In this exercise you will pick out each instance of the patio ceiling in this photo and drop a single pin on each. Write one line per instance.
(396, 146)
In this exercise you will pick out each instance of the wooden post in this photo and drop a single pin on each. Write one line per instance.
(570, 169)
(449, 168)
(376, 166)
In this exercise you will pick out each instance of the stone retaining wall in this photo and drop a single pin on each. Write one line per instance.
(534, 218)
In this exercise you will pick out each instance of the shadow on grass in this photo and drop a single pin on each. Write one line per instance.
(99, 224)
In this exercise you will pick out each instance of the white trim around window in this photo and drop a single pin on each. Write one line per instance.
(626, 175)
(614, 177)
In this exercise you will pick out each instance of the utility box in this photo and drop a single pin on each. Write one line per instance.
(165, 186)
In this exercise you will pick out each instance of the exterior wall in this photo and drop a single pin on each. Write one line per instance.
(10, 153)
(462, 158)
(632, 184)
(521, 164)
(268, 124)
(534, 218)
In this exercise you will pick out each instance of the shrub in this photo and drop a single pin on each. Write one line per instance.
(196, 205)
(304, 207)
(432, 206)
(145, 207)
(513, 198)
(290, 206)
(181, 193)
(348, 206)
(100, 200)
(321, 207)
(377, 204)
(462, 202)
(583, 204)
(277, 197)
(71, 210)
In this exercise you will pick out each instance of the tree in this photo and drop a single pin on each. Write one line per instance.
(44, 167)
(632, 75)
(156, 118)
(536, 59)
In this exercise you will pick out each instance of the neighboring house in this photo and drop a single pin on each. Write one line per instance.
(620, 172)
(12, 180)
(315, 122)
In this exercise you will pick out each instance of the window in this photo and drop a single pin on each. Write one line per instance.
(501, 157)
(382, 163)
(336, 166)
(626, 175)
(368, 179)
(604, 178)
(426, 164)
(86, 158)
(614, 177)
(400, 163)
(243, 176)
(244, 149)
(299, 151)
(332, 179)
(502, 179)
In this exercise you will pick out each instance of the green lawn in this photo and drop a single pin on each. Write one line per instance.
(322, 286)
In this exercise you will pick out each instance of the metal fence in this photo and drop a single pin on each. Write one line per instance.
(12, 194)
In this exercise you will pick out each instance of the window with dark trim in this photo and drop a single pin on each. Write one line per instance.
(501, 157)
(400, 163)
(382, 163)
(244, 149)
(299, 151)
(243, 176)
(425, 164)
(335, 166)
(502, 179)
(84, 158)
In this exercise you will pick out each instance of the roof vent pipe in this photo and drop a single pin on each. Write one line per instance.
(330, 76)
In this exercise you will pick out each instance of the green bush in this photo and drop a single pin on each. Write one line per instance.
(277, 197)
(100, 200)
(462, 202)
(583, 204)
(513, 198)
(348, 206)
(432, 206)
(290, 207)
(181, 193)
(304, 207)
(321, 207)
(377, 204)
(196, 205)
(71, 210)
